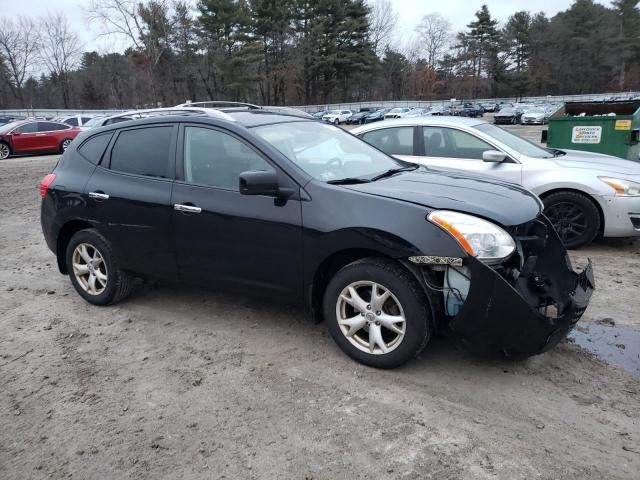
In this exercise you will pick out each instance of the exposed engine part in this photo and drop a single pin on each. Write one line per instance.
(457, 282)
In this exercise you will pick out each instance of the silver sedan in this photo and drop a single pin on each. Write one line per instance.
(584, 194)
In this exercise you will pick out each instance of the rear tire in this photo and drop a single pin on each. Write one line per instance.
(89, 254)
(379, 331)
(575, 217)
(5, 151)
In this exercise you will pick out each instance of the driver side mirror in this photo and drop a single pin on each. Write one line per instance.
(259, 183)
(493, 156)
(16, 132)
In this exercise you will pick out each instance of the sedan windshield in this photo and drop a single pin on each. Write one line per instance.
(326, 152)
(9, 126)
(519, 144)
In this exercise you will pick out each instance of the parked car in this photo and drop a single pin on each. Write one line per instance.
(358, 117)
(27, 136)
(490, 107)
(440, 111)
(472, 110)
(75, 120)
(337, 116)
(397, 113)
(319, 114)
(417, 112)
(376, 116)
(584, 194)
(535, 116)
(507, 115)
(386, 252)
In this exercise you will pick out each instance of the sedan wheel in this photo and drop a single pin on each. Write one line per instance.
(574, 216)
(377, 313)
(4, 151)
(65, 144)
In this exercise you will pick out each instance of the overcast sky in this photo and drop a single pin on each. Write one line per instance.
(458, 12)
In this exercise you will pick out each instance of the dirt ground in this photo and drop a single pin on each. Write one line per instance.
(184, 383)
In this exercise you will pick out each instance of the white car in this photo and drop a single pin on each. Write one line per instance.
(535, 116)
(397, 113)
(584, 194)
(337, 116)
(75, 120)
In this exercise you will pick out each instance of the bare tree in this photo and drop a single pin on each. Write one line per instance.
(382, 24)
(60, 50)
(435, 32)
(19, 47)
(118, 18)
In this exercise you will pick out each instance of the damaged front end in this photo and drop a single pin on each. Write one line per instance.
(523, 306)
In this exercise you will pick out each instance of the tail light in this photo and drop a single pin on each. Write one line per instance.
(45, 183)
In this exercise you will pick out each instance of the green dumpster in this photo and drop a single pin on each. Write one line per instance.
(612, 128)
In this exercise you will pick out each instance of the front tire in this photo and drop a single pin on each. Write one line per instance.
(5, 151)
(93, 270)
(377, 313)
(574, 216)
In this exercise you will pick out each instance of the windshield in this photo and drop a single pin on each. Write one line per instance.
(9, 126)
(513, 141)
(536, 110)
(93, 121)
(326, 152)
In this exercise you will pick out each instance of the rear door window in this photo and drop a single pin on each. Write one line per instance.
(73, 121)
(93, 148)
(143, 151)
(51, 127)
(392, 141)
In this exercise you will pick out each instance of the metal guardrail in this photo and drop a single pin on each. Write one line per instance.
(430, 103)
(59, 112)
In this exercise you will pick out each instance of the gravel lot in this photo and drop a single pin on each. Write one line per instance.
(184, 383)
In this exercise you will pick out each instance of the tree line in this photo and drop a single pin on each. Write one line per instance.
(292, 52)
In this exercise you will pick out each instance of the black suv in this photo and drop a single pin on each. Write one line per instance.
(386, 252)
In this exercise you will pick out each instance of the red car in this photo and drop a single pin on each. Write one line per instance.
(35, 136)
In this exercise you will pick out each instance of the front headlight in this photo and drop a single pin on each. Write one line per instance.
(623, 188)
(479, 238)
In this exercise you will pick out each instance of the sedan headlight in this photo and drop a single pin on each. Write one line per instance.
(479, 238)
(623, 188)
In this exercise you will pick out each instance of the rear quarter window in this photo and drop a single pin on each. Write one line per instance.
(143, 151)
(93, 148)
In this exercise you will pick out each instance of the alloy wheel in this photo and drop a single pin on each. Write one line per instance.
(569, 220)
(4, 151)
(370, 317)
(89, 268)
(66, 144)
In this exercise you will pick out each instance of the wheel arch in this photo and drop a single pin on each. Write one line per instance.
(328, 268)
(67, 231)
(339, 259)
(591, 198)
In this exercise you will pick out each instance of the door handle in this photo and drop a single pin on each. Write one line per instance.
(186, 208)
(41, 134)
(98, 195)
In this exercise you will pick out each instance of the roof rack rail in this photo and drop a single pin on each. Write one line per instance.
(218, 104)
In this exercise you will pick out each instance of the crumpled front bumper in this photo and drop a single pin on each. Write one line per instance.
(528, 307)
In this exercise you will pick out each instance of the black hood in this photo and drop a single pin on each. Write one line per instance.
(505, 203)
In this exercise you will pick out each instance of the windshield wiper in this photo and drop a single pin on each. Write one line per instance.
(348, 181)
(393, 171)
